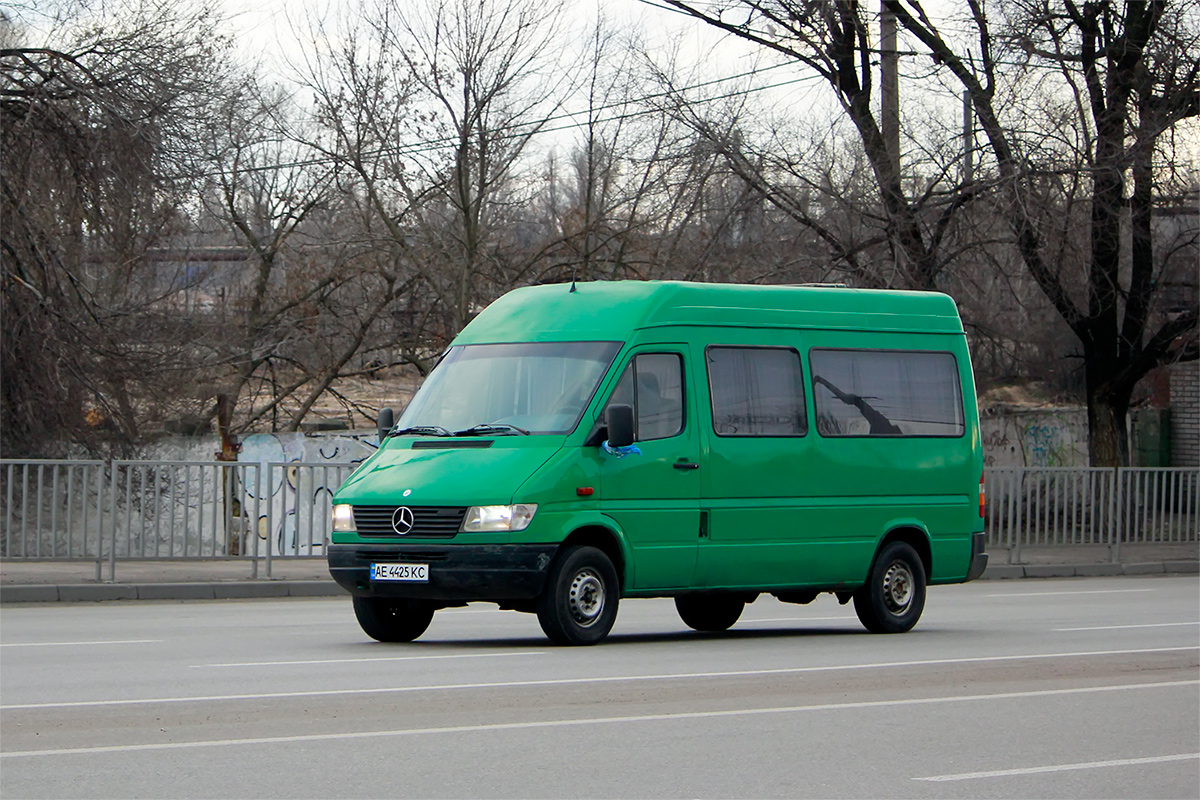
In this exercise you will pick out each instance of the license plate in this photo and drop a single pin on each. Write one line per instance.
(412, 573)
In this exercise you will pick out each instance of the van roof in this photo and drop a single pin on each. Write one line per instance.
(611, 310)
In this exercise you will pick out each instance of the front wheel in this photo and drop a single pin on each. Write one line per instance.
(393, 619)
(894, 596)
(709, 612)
(579, 603)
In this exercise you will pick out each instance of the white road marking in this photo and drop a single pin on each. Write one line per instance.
(445, 687)
(79, 644)
(591, 721)
(1086, 591)
(799, 619)
(368, 660)
(1117, 762)
(1123, 627)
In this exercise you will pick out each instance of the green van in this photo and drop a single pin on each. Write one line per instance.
(578, 444)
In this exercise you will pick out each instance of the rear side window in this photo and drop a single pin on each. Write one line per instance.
(756, 391)
(886, 393)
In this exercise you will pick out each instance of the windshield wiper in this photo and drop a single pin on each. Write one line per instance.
(492, 427)
(423, 430)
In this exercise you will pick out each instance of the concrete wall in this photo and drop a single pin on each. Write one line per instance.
(349, 447)
(1043, 437)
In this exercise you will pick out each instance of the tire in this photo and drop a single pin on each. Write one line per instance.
(893, 597)
(709, 612)
(579, 604)
(393, 619)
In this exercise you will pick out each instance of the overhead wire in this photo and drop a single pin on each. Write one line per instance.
(547, 125)
(567, 120)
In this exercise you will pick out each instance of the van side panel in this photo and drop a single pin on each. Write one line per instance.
(811, 510)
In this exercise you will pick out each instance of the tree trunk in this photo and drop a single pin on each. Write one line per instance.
(1108, 413)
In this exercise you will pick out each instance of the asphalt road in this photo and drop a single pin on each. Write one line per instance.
(1055, 688)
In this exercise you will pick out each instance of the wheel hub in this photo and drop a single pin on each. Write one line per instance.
(586, 597)
(897, 588)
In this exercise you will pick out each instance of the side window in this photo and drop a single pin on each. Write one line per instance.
(886, 393)
(653, 385)
(756, 391)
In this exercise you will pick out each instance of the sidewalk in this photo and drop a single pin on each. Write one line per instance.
(1085, 560)
(53, 581)
(193, 579)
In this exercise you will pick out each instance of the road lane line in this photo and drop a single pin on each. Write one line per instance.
(445, 687)
(592, 721)
(1124, 627)
(1117, 762)
(367, 660)
(79, 644)
(846, 618)
(1087, 591)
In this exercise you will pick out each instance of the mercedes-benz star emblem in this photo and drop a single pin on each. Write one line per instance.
(402, 520)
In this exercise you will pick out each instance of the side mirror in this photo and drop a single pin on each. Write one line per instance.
(386, 421)
(620, 425)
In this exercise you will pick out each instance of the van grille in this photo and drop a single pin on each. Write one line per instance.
(429, 522)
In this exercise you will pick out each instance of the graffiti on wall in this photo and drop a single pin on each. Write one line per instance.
(287, 506)
(292, 503)
(1054, 437)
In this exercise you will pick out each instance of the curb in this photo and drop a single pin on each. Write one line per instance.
(226, 590)
(1012, 571)
(1145, 568)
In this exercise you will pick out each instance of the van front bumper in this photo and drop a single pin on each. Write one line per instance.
(457, 573)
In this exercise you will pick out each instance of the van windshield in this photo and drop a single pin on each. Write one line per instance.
(499, 389)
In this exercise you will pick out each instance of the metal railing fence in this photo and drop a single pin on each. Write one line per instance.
(52, 509)
(165, 510)
(174, 510)
(1039, 506)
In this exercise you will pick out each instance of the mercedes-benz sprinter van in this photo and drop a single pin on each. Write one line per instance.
(581, 444)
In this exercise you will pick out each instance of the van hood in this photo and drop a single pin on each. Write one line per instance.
(448, 475)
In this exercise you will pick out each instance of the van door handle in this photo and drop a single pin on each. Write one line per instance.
(681, 464)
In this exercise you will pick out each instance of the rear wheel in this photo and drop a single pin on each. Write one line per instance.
(393, 619)
(709, 612)
(579, 603)
(893, 597)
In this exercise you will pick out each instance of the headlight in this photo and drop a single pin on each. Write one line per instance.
(499, 518)
(343, 518)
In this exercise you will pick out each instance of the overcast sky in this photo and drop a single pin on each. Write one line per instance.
(266, 27)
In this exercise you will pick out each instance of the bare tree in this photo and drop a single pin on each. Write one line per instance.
(1131, 75)
(429, 109)
(95, 169)
(477, 62)
(640, 194)
(265, 190)
(598, 206)
(1127, 77)
(834, 40)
